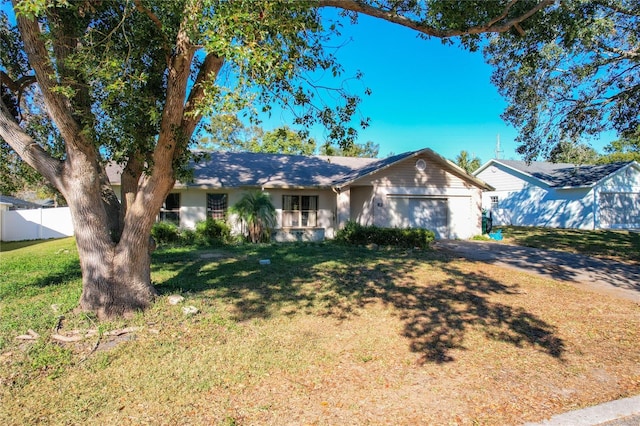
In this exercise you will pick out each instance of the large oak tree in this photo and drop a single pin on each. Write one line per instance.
(130, 81)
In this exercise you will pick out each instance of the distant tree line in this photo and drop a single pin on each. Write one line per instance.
(229, 133)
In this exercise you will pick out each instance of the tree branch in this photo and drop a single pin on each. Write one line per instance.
(58, 105)
(149, 13)
(66, 29)
(17, 86)
(209, 69)
(496, 25)
(28, 149)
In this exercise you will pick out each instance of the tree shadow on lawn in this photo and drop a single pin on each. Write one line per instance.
(337, 281)
(57, 275)
(619, 244)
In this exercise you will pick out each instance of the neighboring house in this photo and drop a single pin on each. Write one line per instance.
(14, 203)
(315, 196)
(605, 196)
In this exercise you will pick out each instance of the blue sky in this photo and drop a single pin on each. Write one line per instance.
(425, 94)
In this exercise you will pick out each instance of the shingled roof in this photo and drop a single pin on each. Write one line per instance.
(564, 175)
(248, 169)
(17, 203)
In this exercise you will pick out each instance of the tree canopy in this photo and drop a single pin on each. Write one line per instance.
(624, 149)
(228, 133)
(130, 81)
(574, 153)
(570, 73)
(368, 149)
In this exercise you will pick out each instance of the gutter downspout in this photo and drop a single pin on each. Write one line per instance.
(336, 223)
(595, 209)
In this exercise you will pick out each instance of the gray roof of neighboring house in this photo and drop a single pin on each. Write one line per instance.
(564, 175)
(17, 203)
(248, 169)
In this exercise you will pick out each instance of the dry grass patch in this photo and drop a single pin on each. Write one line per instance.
(328, 335)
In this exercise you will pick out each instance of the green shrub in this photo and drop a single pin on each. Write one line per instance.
(188, 237)
(165, 233)
(213, 231)
(356, 234)
(257, 212)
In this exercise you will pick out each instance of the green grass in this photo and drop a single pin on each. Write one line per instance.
(38, 283)
(620, 245)
(323, 329)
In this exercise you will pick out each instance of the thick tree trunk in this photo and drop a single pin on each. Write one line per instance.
(114, 256)
(113, 236)
(116, 278)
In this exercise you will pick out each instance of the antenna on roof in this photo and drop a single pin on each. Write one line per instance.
(498, 150)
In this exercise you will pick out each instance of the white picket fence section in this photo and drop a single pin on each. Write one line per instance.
(35, 224)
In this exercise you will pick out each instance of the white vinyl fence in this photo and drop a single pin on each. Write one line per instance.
(35, 224)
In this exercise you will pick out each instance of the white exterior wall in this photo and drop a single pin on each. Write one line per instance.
(362, 205)
(535, 206)
(193, 206)
(524, 201)
(326, 207)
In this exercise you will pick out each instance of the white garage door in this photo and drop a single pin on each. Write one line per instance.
(427, 213)
(619, 210)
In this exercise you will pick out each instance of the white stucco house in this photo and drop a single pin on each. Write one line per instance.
(558, 195)
(315, 196)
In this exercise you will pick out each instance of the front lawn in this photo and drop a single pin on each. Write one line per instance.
(324, 334)
(619, 245)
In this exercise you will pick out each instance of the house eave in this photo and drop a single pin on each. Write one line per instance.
(521, 172)
(574, 187)
(454, 168)
(254, 186)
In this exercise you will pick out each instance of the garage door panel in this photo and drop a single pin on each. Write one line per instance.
(619, 210)
(420, 213)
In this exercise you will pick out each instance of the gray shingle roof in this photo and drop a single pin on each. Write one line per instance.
(561, 175)
(248, 169)
(18, 203)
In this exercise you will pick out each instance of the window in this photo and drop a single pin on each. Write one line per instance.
(299, 211)
(494, 202)
(217, 206)
(170, 211)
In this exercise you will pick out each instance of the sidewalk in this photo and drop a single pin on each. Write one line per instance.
(623, 412)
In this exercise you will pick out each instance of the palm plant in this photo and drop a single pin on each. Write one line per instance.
(257, 212)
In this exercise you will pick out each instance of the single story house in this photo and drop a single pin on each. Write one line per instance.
(557, 195)
(314, 196)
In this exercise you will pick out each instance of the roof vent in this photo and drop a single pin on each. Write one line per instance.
(421, 164)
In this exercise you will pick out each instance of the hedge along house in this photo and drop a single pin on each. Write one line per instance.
(605, 196)
(314, 196)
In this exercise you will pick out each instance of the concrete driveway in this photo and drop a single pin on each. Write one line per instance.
(603, 276)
